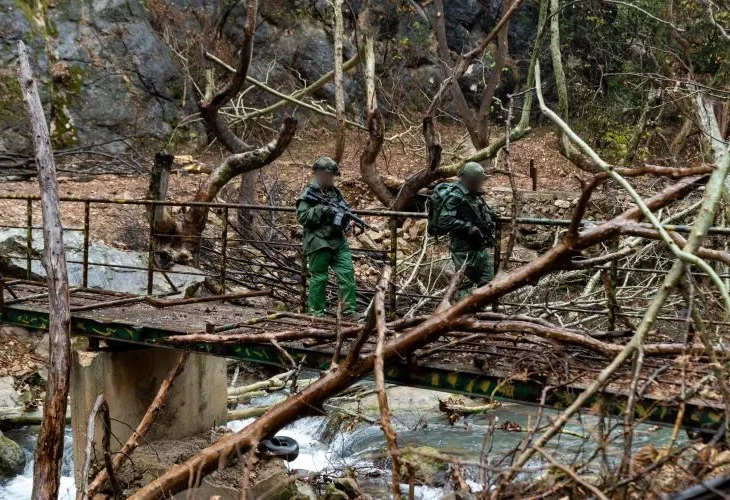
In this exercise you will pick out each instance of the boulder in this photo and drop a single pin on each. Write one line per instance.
(304, 491)
(465, 12)
(348, 485)
(43, 348)
(272, 481)
(405, 399)
(108, 278)
(206, 492)
(426, 470)
(12, 458)
(8, 394)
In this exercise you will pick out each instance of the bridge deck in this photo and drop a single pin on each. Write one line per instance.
(529, 370)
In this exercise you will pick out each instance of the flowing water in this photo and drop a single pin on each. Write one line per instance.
(20, 487)
(363, 447)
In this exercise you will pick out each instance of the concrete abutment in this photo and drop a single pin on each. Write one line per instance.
(130, 380)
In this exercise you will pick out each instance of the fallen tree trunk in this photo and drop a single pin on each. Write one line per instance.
(48, 454)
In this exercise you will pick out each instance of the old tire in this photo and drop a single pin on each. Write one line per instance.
(280, 446)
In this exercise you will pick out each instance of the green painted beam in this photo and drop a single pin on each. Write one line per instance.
(471, 383)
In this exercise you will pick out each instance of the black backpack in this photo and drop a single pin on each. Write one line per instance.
(435, 206)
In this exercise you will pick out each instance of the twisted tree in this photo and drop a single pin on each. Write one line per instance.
(179, 239)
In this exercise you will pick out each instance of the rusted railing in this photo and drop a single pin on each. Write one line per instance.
(395, 221)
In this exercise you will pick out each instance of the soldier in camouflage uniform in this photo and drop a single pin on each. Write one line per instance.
(324, 243)
(471, 225)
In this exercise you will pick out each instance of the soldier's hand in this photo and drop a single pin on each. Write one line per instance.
(475, 232)
(327, 210)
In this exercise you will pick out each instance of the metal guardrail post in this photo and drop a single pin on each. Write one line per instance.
(393, 264)
(85, 264)
(303, 285)
(224, 249)
(151, 256)
(533, 174)
(29, 240)
(497, 255)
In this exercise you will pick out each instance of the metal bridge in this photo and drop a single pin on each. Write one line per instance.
(491, 366)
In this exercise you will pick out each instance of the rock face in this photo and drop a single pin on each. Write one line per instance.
(104, 71)
(108, 68)
(12, 458)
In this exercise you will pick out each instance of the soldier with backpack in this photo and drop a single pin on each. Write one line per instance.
(459, 210)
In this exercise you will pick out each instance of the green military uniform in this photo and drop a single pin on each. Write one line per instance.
(464, 210)
(326, 247)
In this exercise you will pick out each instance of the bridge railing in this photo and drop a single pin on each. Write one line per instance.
(219, 238)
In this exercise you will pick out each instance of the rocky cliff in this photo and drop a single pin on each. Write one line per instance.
(113, 69)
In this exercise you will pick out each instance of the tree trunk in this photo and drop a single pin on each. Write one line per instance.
(565, 146)
(376, 131)
(495, 76)
(339, 90)
(47, 467)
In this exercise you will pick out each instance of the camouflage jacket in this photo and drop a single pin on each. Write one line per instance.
(461, 211)
(319, 230)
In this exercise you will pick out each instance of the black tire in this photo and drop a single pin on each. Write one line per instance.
(280, 446)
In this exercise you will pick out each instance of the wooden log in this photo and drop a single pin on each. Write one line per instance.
(101, 408)
(47, 469)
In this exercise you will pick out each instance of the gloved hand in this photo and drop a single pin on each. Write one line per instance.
(326, 210)
(475, 233)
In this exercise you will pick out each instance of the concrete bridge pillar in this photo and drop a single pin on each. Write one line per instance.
(129, 380)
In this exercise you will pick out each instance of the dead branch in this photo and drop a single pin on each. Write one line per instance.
(210, 105)
(144, 425)
(476, 124)
(48, 454)
(385, 424)
(571, 337)
(424, 177)
(711, 198)
(375, 122)
(233, 166)
(100, 407)
(572, 474)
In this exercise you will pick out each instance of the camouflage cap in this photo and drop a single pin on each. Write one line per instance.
(326, 164)
(472, 169)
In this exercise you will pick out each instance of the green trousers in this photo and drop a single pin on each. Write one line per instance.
(340, 260)
(479, 267)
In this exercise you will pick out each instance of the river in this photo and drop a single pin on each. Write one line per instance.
(358, 448)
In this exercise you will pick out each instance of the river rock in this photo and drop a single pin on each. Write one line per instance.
(272, 481)
(406, 399)
(348, 485)
(43, 349)
(206, 492)
(304, 491)
(8, 395)
(12, 458)
(426, 470)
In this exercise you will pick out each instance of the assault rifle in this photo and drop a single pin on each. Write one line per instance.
(343, 214)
